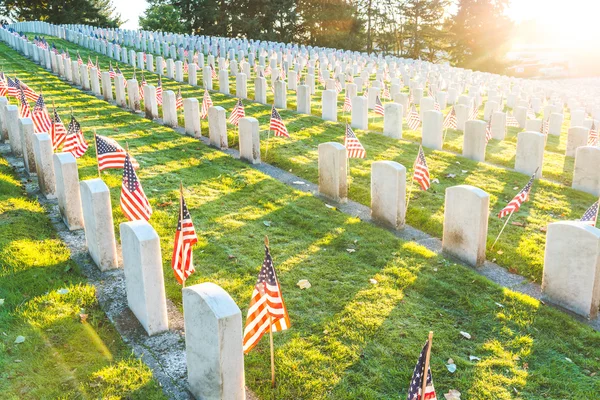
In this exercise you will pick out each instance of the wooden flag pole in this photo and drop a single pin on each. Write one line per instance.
(445, 132)
(181, 217)
(271, 335)
(425, 371)
(96, 147)
(502, 230)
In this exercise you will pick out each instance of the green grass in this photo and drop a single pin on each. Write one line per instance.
(61, 356)
(521, 247)
(349, 338)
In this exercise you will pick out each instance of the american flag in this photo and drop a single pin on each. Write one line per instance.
(185, 237)
(98, 71)
(90, 64)
(111, 71)
(178, 100)
(159, 91)
(347, 104)
(338, 86)
(213, 73)
(416, 383)
(134, 203)
(267, 310)
(450, 120)
(186, 68)
(79, 60)
(206, 104)
(530, 113)
(58, 132)
(13, 87)
(386, 92)
(544, 128)
(30, 94)
(474, 112)
(352, 144)
(41, 119)
(436, 106)
(413, 119)
(590, 216)
(24, 110)
(378, 106)
(141, 88)
(237, 113)
(488, 131)
(521, 197)
(593, 135)
(3, 87)
(421, 173)
(277, 124)
(111, 154)
(511, 120)
(282, 74)
(75, 142)
(268, 69)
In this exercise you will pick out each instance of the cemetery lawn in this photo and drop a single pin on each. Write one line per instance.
(42, 294)
(350, 338)
(521, 247)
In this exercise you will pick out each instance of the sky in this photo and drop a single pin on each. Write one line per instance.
(557, 23)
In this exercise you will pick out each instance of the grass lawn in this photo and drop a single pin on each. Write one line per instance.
(350, 339)
(61, 356)
(521, 247)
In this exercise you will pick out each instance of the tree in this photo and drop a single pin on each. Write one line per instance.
(423, 23)
(92, 12)
(162, 17)
(479, 35)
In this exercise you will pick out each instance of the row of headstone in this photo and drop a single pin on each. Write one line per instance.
(571, 276)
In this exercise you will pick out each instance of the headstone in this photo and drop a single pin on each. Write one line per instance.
(67, 190)
(98, 223)
(193, 74)
(303, 99)
(107, 86)
(498, 125)
(533, 125)
(388, 193)
(333, 175)
(260, 90)
(217, 127)
(571, 275)
(586, 174)
(169, 109)
(462, 116)
(329, 105)
(466, 213)
(520, 114)
(3, 123)
(213, 343)
(12, 126)
(150, 104)
(530, 153)
(577, 136)
(241, 85)
(133, 95)
(26, 135)
(120, 91)
(42, 149)
(144, 282)
(223, 81)
(191, 116)
(249, 140)
(392, 120)
(432, 130)
(474, 142)
(85, 77)
(280, 94)
(555, 124)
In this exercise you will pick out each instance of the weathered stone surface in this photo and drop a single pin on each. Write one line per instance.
(474, 142)
(333, 175)
(98, 223)
(144, 282)
(530, 153)
(571, 277)
(42, 149)
(217, 127)
(67, 190)
(388, 193)
(213, 343)
(586, 174)
(432, 130)
(249, 140)
(466, 213)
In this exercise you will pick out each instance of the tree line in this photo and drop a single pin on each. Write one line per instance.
(467, 33)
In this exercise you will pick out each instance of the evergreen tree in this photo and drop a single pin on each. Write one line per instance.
(93, 12)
